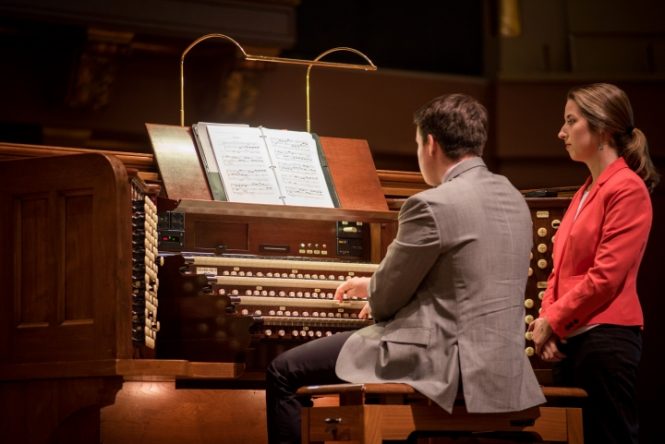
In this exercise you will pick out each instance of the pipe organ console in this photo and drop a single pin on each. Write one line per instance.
(104, 282)
(267, 282)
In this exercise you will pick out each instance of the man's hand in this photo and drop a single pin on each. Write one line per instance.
(357, 286)
(366, 312)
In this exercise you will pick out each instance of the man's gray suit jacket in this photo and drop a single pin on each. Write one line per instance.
(448, 297)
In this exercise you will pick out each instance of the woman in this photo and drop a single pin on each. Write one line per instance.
(591, 319)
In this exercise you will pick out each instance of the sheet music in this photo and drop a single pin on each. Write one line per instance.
(298, 168)
(258, 165)
(204, 145)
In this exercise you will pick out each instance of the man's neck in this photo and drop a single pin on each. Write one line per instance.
(449, 164)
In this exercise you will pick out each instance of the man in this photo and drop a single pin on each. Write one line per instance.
(447, 298)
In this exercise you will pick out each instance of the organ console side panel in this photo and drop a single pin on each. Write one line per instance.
(65, 265)
(64, 219)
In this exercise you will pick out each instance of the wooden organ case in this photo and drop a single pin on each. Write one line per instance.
(79, 292)
(237, 284)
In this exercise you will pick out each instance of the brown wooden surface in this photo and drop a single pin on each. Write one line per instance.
(550, 392)
(178, 161)
(65, 266)
(283, 211)
(354, 174)
(156, 412)
(55, 411)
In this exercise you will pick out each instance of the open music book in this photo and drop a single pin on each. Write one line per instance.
(266, 166)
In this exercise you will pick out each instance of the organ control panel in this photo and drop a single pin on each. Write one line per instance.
(244, 288)
(546, 214)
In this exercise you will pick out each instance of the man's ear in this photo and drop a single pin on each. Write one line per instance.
(432, 145)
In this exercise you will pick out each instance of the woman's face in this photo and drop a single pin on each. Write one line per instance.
(581, 143)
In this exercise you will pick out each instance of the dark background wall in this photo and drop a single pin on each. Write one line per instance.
(91, 73)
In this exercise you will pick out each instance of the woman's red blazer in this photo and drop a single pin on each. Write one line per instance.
(597, 255)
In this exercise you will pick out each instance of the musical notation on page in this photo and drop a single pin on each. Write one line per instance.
(266, 166)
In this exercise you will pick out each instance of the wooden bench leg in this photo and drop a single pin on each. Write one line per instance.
(575, 428)
(559, 424)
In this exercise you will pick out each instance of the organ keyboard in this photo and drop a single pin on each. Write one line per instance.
(288, 299)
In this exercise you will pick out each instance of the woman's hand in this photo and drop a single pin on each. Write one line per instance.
(550, 351)
(541, 332)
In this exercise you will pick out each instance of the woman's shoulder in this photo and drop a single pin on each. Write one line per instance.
(626, 177)
(625, 183)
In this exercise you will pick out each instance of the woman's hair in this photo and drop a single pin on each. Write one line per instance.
(457, 122)
(607, 109)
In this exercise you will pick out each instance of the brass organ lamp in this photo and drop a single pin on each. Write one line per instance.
(260, 58)
(317, 62)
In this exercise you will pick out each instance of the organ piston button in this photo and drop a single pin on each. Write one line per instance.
(542, 248)
(529, 336)
(542, 264)
(541, 294)
(528, 319)
(530, 271)
(528, 303)
(529, 351)
(555, 223)
(542, 232)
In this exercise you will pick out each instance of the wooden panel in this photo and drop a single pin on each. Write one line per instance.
(66, 263)
(178, 161)
(30, 240)
(55, 411)
(76, 279)
(354, 174)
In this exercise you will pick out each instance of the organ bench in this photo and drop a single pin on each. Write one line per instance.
(371, 413)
